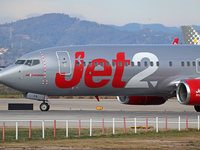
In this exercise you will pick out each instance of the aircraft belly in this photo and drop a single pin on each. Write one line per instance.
(159, 89)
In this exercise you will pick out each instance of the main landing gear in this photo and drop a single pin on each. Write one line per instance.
(197, 108)
(44, 106)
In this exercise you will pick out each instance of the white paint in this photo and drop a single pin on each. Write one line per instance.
(90, 127)
(136, 81)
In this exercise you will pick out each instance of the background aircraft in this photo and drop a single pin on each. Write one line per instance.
(190, 35)
(175, 42)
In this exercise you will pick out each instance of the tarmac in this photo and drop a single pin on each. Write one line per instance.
(86, 109)
(108, 105)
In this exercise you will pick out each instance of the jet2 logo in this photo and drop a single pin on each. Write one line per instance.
(198, 93)
(120, 61)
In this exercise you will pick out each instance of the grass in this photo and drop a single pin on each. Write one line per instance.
(36, 133)
(11, 96)
(172, 139)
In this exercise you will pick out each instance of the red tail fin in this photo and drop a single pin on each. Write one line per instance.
(175, 42)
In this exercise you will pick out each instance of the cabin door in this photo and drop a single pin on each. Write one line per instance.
(198, 65)
(64, 63)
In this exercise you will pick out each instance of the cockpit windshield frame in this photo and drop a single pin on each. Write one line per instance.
(20, 62)
(29, 62)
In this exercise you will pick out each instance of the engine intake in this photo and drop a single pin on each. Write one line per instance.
(188, 92)
(141, 100)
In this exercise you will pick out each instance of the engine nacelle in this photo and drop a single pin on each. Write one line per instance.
(141, 100)
(188, 92)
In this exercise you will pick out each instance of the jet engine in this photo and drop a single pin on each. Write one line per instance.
(141, 100)
(188, 92)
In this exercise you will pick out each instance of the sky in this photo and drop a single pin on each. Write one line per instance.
(116, 12)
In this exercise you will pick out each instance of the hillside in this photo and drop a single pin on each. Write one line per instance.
(155, 27)
(50, 30)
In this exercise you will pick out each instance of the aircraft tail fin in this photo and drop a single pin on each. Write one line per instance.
(175, 42)
(190, 35)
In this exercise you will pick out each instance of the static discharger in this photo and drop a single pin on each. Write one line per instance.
(99, 107)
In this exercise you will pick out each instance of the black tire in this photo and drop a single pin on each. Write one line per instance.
(44, 106)
(197, 108)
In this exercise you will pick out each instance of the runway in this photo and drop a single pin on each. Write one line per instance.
(171, 105)
(85, 109)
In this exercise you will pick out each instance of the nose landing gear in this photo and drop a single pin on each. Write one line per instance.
(44, 106)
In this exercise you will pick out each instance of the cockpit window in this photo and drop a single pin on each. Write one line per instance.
(36, 62)
(28, 62)
(20, 62)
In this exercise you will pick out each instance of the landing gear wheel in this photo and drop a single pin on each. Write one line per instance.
(44, 107)
(197, 108)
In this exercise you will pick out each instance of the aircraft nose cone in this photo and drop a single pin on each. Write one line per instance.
(7, 77)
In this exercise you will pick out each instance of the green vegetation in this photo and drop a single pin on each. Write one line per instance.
(36, 134)
(11, 96)
(171, 139)
(6, 92)
(51, 30)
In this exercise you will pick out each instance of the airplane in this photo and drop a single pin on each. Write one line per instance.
(175, 42)
(136, 74)
(190, 35)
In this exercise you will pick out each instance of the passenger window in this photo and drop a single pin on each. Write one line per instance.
(113, 63)
(139, 63)
(145, 64)
(102, 64)
(170, 63)
(182, 63)
(20, 62)
(78, 64)
(95, 63)
(36, 62)
(157, 63)
(84, 63)
(193, 63)
(132, 63)
(151, 63)
(90, 63)
(119, 64)
(126, 63)
(199, 63)
(107, 63)
(28, 62)
(188, 63)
